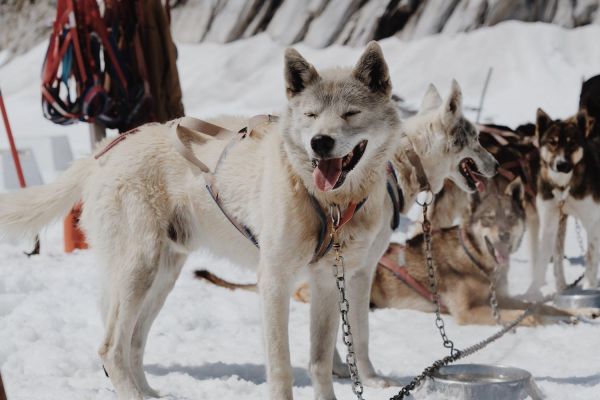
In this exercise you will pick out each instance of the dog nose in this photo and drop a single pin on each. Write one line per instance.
(564, 166)
(504, 236)
(322, 144)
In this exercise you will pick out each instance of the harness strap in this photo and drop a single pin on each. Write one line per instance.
(415, 160)
(463, 242)
(395, 194)
(401, 272)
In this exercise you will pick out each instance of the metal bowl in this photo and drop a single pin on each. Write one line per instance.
(578, 298)
(480, 381)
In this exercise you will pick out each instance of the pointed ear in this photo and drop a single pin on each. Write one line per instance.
(299, 73)
(516, 191)
(431, 99)
(372, 70)
(542, 121)
(453, 105)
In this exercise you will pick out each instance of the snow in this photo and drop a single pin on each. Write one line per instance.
(207, 343)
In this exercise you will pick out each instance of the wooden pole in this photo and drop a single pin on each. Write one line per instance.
(2, 392)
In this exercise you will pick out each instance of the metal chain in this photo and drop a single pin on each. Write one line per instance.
(579, 238)
(428, 372)
(493, 297)
(433, 288)
(344, 306)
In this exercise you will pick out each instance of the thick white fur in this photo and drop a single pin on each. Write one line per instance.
(141, 191)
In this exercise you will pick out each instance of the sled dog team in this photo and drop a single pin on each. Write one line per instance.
(338, 149)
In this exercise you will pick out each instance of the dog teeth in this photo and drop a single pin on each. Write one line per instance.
(315, 163)
(347, 159)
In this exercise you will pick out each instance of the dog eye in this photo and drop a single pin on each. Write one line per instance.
(350, 113)
(311, 115)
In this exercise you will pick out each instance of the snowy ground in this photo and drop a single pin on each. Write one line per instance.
(206, 343)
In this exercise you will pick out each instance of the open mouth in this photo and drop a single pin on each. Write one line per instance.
(330, 173)
(500, 252)
(469, 171)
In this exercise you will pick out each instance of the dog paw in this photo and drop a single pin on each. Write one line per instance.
(151, 393)
(341, 371)
(532, 295)
(377, 381)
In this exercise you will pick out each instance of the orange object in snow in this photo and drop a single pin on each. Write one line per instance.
(74, 237)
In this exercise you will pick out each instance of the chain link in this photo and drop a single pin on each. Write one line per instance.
(344, 307)
(433, 288)
(493, 298)
(580, 239)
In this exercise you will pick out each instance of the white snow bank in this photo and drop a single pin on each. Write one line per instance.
(206, 343)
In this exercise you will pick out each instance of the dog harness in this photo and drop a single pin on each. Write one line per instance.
(401, 272)
(324, 240)
(463, 242)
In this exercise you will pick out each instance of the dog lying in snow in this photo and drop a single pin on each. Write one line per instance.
(146, 208)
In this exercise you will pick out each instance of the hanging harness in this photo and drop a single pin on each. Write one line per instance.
(79, 54)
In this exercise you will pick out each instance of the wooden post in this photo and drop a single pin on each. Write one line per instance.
(2, 392)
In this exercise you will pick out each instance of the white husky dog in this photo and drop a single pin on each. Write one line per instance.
(145, 209)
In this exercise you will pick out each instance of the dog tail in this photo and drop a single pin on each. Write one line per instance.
(25, 212)
(215, 280)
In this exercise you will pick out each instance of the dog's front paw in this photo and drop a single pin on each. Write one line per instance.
(532, 294)
(340, 370)
(377, 381)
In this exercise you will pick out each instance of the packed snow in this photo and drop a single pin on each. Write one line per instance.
(207, 343)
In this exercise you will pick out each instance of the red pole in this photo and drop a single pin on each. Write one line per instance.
(11, 141)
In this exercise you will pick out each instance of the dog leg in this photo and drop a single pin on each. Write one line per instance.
(592, 259)
(548, 213)
(340, 368)
(533, 232)
(275, 289)
(324, 320)
(170, 268)
(559, 252)
(132, 283)
(359, 293)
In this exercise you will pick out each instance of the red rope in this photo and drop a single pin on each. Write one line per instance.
(11, 141)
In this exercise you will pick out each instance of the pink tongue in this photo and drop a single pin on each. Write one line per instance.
(479, 184)
(501, 258)
(327, 174)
